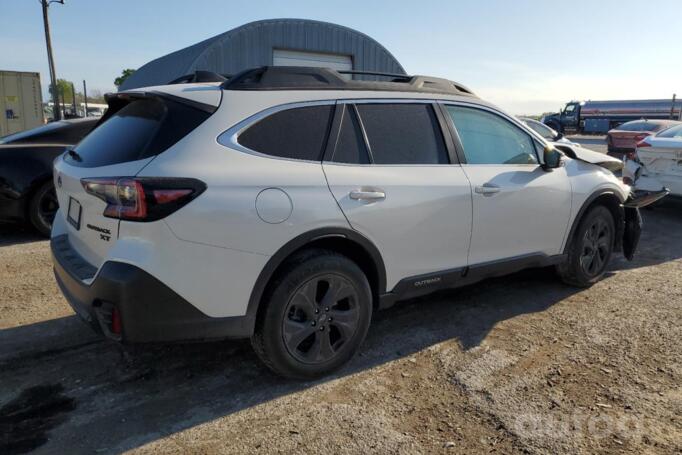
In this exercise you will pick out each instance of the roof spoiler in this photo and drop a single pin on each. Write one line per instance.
(118, 100)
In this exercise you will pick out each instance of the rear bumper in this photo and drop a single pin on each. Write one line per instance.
(149, 310)
(642, 198)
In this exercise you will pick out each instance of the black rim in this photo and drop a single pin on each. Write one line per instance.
(596, 247)
(47, 207)
(321, 317)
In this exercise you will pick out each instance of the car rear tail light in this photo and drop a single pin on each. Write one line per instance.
(142, 198)
(641, 137)
(116, 321)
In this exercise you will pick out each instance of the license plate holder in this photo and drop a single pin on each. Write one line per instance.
(74, 213)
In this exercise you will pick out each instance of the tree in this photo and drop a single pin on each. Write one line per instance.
(64, 90)
(125, 74)
(95, 96)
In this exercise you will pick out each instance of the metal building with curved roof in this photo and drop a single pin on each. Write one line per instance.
(278, 42)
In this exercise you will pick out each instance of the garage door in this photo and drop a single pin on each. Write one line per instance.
(281, 57)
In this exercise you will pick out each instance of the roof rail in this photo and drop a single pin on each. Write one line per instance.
(314, 78)
(374, 73)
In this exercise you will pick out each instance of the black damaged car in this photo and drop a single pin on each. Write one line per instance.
(27, 192)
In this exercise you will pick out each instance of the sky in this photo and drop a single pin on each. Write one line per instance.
(526, 56)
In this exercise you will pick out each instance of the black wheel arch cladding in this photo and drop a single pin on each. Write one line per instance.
(611, 201)
(359, 249)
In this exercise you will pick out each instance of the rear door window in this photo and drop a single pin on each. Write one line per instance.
(403, 133)
(297, 133)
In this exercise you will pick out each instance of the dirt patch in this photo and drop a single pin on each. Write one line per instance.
(25, 421)
(522, 364)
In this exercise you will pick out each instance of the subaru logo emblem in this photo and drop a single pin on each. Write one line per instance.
(59, 181)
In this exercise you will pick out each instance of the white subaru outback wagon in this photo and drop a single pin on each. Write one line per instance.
(289, 204)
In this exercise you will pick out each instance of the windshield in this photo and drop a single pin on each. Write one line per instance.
(675, 131)
(30, 133)
(542, 129)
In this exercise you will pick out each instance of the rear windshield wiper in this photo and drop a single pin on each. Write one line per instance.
(74, 154)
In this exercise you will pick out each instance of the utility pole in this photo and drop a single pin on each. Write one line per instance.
(73, 101)
(672, 108)
(85, 98)
(56, 112)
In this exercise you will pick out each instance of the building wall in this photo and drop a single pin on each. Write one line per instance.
(251, 45)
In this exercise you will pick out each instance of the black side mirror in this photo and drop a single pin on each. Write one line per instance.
(558, 136)
(551, 157)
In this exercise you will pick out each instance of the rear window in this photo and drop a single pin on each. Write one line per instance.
(403, 134)
(639, 126)
(675, 131)
(297, 133)
(140, 129)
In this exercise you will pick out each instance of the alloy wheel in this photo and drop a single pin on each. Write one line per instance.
(596, 247)
(320, 318)
(48, 206)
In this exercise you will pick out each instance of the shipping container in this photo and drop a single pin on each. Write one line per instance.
(21, 101)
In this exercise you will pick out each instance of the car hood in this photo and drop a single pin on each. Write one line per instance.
(564, 141)
(592, 157)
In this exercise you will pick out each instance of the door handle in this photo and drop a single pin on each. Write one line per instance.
(370, 195)
(487, 189)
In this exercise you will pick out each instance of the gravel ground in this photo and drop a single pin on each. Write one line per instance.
(521, 364)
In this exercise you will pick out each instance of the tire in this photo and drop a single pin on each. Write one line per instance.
(316, 315)
(43, 207)
(590, 249)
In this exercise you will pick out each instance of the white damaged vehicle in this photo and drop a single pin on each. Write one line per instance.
(286, 205)
(644, 189)
(658, 158)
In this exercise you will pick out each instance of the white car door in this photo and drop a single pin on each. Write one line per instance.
(390, 173)
(519, 208)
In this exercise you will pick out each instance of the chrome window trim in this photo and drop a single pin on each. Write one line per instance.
(387, 101)
(230, 137)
